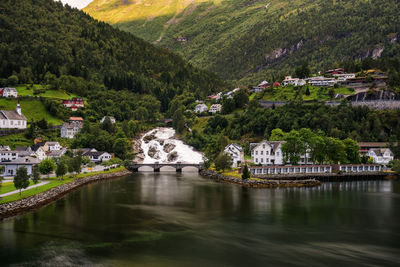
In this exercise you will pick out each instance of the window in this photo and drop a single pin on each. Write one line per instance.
(261, 152)
(263, 146)
(256, 160)
(262, 160)
(256, 152)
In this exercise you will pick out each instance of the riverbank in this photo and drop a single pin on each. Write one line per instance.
(259, 183)
(38, 200)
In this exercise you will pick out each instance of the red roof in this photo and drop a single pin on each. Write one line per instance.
(76, 119)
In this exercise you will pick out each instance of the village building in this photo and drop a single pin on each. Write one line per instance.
(74, 103)
(260, 87)
(56, 153)
(215, 108)
(94, 155)
(236, 153)
(381, 155)
(344, 76)
(72, 127)
(293, 81)
(112, 119)
(200, 108)
(321, 81)
(9, 92)
(267, 153)
(39, 152)
(24, 151)
(13, 119)
(4, 148)
(8, 155)
(51, 146)
(11, 167)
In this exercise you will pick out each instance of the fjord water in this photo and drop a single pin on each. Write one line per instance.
(170, 219)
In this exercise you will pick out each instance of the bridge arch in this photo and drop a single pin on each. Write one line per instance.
(134, 167)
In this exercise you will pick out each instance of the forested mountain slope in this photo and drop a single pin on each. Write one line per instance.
(249, 39)
(43, 36)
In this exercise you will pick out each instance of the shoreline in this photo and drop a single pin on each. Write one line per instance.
(37, 201)
(259, 183)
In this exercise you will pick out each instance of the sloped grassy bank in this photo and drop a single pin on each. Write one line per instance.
(259, 183)
(39, 200)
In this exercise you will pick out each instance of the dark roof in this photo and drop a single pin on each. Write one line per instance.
(22, 148)
(95, 153)
(36, 146)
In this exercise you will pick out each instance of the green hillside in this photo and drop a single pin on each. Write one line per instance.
(247, 40)
(34, 110)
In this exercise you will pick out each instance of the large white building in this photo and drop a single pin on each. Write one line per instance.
(381, 155)
(321, 81)
(12, 119)
(11, 167)
(267, 153)
(236, 153)
(74, 126)
(293, 81)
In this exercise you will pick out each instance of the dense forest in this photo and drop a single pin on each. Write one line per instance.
(42, 37)
(252, 40)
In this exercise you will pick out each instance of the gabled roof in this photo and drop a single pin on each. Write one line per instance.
(380, 151)
(236, 146)
(273, 144)
(22, 161)
(52, 143)
(96, 153)
(12, 115)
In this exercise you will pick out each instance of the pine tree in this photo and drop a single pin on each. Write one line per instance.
(21, 179)
(246, 173)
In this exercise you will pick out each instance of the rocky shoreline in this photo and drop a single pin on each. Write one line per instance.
(260, 183)
(37, 201)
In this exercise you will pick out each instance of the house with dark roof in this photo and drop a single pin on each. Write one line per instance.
(11, 167)
(13, 119)
(98, 156)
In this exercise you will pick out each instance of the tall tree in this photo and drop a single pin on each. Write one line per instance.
(223, 161)
(46, 166)
(21, 179)
(61, 170)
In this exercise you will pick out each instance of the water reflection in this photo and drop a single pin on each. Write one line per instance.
(182, 219)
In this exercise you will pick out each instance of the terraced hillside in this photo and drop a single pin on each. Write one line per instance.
(249, 39)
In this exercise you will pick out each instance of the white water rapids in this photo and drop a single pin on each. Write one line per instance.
(160, 140)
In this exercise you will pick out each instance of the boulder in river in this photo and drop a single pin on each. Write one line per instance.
(153, 153)
(168, 147)
(172, 156)
(149, 137)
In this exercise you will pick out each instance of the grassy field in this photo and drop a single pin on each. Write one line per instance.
(53, 183)
(9, 186)
(290, 93)
(26, 90)
(32, 109)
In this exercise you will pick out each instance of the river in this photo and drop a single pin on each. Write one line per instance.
(170, 219)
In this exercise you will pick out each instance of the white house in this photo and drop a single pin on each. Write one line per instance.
(236, 153)
(39, 153)
(98, 156)
(9, 92)
(69, 129)
(56, 153)
(11, 167)
(215, 108)
(200, 108)
(381, 156)
(321, 81)
(12, 119)
(293, 81)
(8, 155)
(51, 146)
(112, 119)
(267, 153)
(344, 76)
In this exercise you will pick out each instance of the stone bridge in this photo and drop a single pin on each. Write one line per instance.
(134, 167)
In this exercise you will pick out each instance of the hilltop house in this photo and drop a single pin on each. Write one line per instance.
(344, 76)
(293, 81)
(112, 119)
(74, 103)
(260, 87)
(72, 127)
(381, 156)
(200, 108)
(10, 119)
(321, 81)
(9, 92)
(215, 108)
(236, 153)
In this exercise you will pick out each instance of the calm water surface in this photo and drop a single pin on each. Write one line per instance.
(170, 219)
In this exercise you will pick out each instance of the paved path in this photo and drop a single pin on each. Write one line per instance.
(29, 187)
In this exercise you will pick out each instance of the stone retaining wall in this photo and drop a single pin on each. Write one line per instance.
(260, 183)
(44, 198)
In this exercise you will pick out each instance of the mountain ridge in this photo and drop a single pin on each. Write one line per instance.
(248, 40)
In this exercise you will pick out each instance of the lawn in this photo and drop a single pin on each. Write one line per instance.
(9, 186)
(25, 90)
(32, 109)
(53, 183)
